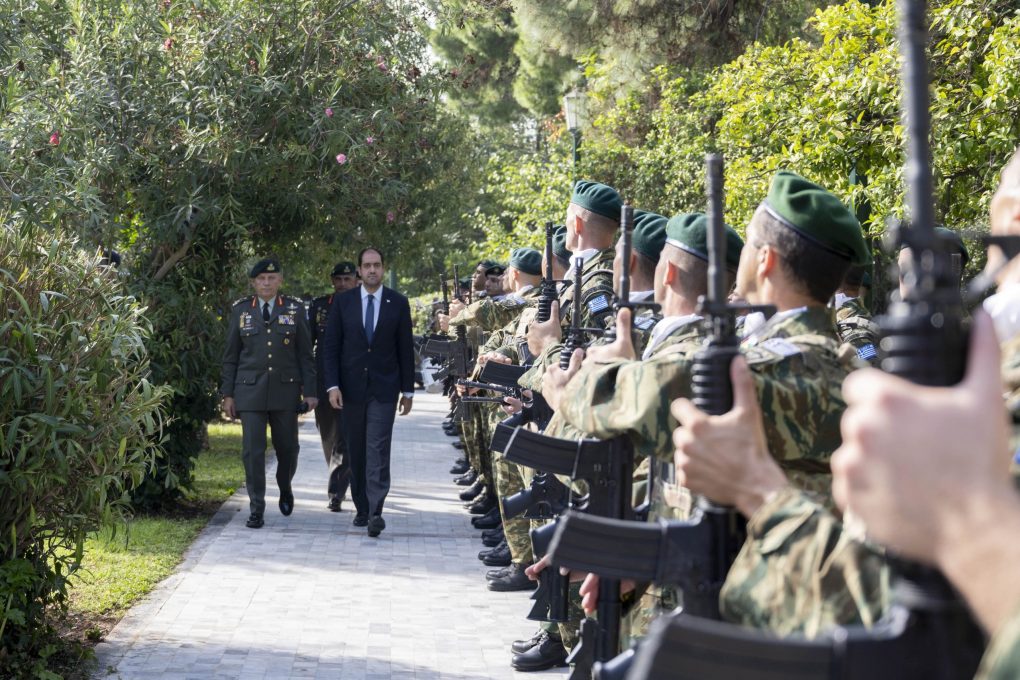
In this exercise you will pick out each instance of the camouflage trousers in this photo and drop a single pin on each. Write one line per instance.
(653, 603)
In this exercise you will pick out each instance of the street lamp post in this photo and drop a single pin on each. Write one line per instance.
(575, 108)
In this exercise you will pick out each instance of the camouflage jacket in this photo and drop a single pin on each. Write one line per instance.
(802, 571)
(797, 376)
(855, 327)
(596, 292)
(1002, 656)
(490, 314)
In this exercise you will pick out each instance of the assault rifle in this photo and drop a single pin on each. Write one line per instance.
(553, 593)
(623, 293)
(577, 335)
(549, 293)
(607, 468)
(928, 632)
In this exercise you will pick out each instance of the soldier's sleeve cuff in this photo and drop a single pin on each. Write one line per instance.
(774, 510)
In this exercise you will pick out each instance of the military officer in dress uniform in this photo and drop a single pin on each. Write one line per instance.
(328, 420)
(267, 367)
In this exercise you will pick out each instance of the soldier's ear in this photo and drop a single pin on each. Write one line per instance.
(669, 276)
(578, 224)
(768, 258)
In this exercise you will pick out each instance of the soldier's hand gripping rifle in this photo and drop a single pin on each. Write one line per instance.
(928, 632)
(623, 300)
(607, 468)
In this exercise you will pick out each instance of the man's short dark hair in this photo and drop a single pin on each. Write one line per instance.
(364, 250)
(818, 272)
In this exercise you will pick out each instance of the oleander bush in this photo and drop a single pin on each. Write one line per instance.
(80, 423)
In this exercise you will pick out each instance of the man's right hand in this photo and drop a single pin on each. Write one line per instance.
(545, 334)
(336, 400)
(230, 408)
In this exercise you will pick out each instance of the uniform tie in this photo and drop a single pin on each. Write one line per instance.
(265, 312)
(370, 318)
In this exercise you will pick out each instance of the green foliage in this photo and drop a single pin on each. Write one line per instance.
(194, 137)
(79, 421)
(824, 107)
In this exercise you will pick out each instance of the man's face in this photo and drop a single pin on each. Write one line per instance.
(747, 269)
(267, 284)
(571, 219)
(343, 282)
(478, 278)
(618, 264)
(494, 284)
(371, 269)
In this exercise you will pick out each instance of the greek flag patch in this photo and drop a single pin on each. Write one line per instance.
(598, 305)
(867, 353)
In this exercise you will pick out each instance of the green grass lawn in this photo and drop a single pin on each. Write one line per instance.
(124, 563)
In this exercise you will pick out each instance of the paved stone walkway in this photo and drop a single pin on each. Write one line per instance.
(311, 596)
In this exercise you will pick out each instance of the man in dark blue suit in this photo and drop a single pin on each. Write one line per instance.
(368, 363)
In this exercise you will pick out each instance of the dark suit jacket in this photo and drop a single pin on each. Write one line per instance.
(382, 370)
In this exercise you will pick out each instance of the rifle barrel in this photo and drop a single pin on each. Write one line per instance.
(717, 292)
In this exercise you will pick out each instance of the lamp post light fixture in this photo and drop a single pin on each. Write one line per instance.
(575, 108)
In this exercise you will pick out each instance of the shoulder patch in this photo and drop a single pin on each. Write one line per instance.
(645, 322)
(780, 346)
(867, 352)
(599, 304)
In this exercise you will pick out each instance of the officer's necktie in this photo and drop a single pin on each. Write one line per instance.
(265, 312)
(370, 318)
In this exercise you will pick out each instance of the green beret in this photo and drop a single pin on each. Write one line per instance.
(486, 264)
(526, 261)
(817, 215)
(464, 282)
(343, 269)
(495, 270)
(689, 232)
(268, 265)
(598, 198)
(649, 233)
(559, 241)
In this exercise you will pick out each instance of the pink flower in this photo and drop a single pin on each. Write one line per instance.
(341, 158)
(381, 65)
(369, 140)
(391, 217)
(329, 112)
(168, 43)
(55, 138)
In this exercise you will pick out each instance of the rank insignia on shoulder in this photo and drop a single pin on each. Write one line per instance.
(867, 352)
(780, 346)
(644, 322)
(285, 319)
(599, 304)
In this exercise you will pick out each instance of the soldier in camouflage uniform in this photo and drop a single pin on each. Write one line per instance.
(328, 420)
(799, 230)
(854, 324)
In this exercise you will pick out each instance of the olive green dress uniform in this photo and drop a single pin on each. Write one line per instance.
(267, 368)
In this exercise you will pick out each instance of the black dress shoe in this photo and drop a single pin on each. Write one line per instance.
(286, 503)
(460, 467)
(254, 521)
(458, 445)
(549, 653)
(360, 520)
(466, 479)
(491, 541)
(521, 646)
(334, 505)
(482, 554)
(490, 520)
(497, 573)
(376, 525)
(471, 493)
(499, 557)
(515, 579)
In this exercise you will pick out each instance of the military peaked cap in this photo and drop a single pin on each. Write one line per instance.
(268, 265)
(343, 269)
